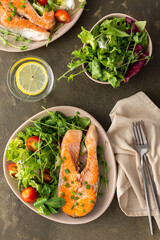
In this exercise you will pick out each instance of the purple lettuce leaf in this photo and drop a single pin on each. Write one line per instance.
(132, 23)
(136, 67)
(138, 48)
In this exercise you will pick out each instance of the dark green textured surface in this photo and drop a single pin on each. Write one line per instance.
(17, 222)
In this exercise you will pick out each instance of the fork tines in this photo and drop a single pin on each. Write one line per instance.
(138, 133)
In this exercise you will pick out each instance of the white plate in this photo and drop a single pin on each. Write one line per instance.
(102, 202)
(61, 31)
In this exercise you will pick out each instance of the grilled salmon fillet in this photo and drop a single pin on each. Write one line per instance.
(21, 26)
(79, 189)
(47, 21)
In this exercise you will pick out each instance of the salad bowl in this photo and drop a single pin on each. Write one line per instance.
(110, 16)
(103, 202)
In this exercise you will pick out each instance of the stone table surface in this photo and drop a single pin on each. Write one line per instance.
(18, 222)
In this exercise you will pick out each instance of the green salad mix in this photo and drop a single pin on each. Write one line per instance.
(114, 51)
(38, 162)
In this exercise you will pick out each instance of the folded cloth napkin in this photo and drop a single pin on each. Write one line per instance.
(130, 191)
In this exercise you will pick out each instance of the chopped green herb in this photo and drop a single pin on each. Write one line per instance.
(82, 205)
(74, 192)
(80, 193)
(67, 171)
(85, 182)
(64, 158)
(92, 201)
(83, 210)
(62, 194)
(64, 179)
(72, 207)
(76, 204)
(76, 198)
(13, 14)
(88, 186)
(22, 6)
(72, 182)
(23, 1)
(9, 19)
(11, 5)
(72, 197)
(67, 185)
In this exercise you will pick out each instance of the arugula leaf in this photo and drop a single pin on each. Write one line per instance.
(114, 28)
(143, 40)
(96, 68)
(84, 122)
(87, 38)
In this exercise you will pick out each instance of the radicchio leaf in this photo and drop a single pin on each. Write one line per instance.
(136, 67)
(131, 23)
(138, 49)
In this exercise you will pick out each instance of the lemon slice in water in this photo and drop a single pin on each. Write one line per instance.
(31, 78)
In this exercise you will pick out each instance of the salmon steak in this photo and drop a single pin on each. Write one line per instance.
(21, 26)
(47, 21)
(79, 189)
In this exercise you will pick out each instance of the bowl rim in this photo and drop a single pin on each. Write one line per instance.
(108, 16)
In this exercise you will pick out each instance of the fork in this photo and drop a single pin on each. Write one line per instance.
(141, 146)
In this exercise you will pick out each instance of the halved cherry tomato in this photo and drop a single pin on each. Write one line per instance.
(12, 168)
(29, 195)
(32, 143)
(62, 16)
(42, 2)
(46, 176)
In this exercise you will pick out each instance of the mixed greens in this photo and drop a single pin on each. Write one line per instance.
(52, 5)
(8, 38)
(114, 51)
(32, 166)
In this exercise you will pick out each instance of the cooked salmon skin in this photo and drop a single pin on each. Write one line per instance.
(21, 26)
(47, 21)
(79, 189)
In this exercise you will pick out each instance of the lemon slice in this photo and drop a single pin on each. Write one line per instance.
(31, 78)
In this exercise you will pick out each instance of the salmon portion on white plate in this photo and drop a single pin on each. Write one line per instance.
(47, 21)
(79, 189)
(21, 26)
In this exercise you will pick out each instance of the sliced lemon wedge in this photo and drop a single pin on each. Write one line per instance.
(31, 78)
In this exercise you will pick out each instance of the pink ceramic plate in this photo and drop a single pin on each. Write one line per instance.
(102, 202)
(61, 31)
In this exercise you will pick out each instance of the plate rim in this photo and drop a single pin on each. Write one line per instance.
(83, 112)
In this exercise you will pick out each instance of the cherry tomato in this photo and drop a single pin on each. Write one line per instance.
(62, 16)
(29, 195)
(12, 168)
(46, 176)
(42, 2)
(32, 143)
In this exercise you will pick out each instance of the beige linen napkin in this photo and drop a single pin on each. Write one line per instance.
(130, 191)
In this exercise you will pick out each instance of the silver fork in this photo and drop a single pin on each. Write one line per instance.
(141, 146)
(143, 139)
